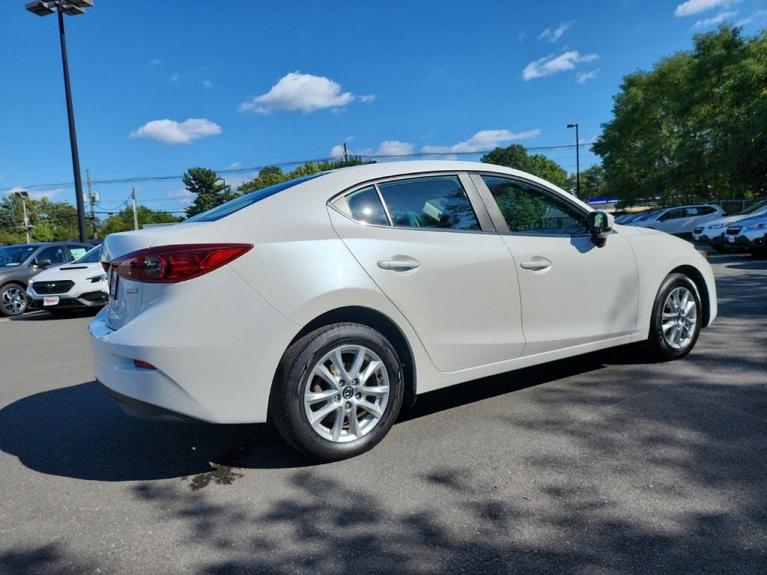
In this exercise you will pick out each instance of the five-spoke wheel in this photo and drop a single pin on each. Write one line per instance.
(676, 319)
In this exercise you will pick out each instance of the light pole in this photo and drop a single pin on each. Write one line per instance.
(70, 8)
(577, 160)
(23, 194)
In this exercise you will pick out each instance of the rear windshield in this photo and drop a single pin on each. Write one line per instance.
(248, 199)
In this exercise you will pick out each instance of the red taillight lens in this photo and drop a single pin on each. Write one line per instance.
(172, 264)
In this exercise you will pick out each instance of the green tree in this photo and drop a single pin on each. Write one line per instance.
(516, 156)
(123, 221)
(209, 189)
(50, 220)
(694, 128)
(267, 176)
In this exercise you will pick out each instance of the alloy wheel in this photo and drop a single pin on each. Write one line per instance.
(347, 393)
(13, 300)
(678, 319)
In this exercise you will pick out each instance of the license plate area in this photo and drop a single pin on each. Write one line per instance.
(51, 300)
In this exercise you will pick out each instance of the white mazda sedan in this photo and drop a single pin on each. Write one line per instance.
(325, 303)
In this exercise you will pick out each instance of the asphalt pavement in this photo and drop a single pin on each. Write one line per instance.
(598, 464)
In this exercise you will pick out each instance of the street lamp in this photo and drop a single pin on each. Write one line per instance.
(577, 160)
(70, 8)
(24, 195)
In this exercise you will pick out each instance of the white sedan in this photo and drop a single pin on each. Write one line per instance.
(326, 303)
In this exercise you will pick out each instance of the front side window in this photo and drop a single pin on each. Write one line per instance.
(432, 202)
(364, 206)
(530, 211)
(54, 254)
(77, 251)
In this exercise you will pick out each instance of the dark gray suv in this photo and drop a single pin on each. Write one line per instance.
(21, 262)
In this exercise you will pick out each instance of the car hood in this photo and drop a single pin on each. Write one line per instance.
(723, 222)
(72, 272)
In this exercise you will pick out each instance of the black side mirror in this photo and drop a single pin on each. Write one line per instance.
(599, 226)
(43, 263)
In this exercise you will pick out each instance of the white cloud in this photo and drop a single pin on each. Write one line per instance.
(184, 196)
(714, 20)
(554, 34)
(553, 64)
(175, 78)
(691, 7)
(155, 62)
(207, 84)
(234, 165)
(385, 148)
(299, 92)
(172, 132)
(367, 98)
(482, 140)
(583, 77)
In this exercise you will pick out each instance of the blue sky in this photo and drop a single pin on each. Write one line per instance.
(234, 84)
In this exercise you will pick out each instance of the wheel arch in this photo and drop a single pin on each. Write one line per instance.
(700, 283)
(380, 322)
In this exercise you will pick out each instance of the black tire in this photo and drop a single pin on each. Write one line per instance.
(17, 290)
(657, 344)
(286, 407)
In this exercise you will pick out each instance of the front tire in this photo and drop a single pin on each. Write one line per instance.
(13, 300)
(337, 392)
(676, 318)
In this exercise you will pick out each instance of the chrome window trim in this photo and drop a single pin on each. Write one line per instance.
(486, 224)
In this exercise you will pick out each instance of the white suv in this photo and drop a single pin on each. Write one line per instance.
(681, 220)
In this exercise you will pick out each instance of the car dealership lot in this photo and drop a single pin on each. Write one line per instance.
(594, 464)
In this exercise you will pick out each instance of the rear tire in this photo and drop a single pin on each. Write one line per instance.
(676, 319)
(13, 300)
(337, 392)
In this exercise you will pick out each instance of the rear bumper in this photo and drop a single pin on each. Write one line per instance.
(214, 363)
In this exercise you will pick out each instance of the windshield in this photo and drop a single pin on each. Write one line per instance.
(755, 208)
(248, 199)
(11, 256)
(91, 257)
(645, 215)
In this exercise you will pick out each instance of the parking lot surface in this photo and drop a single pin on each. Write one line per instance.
(596, 464)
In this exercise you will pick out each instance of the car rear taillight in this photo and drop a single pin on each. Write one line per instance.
(172, 264)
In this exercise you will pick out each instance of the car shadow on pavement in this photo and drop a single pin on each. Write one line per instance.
(80, 432)
(44, 315)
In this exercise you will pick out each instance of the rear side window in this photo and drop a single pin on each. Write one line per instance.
(364, 206)
(434, 202)
(237, 204)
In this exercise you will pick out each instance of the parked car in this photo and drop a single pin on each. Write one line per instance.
(327, 302)
(749, 234)
(20, 263)
(680, 221)
(81, 284)
(712, 233)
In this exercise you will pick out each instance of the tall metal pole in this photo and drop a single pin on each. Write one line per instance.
(577, 163)
(72, 132)
(26, 218)
(91, 201)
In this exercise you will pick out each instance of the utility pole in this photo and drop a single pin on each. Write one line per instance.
(577, 160)
(346, 154)
(91, 201)
(135, 210)
(23, 194)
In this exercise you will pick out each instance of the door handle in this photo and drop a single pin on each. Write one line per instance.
(399, 264)
(536, 264)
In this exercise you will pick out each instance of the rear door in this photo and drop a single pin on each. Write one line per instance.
(435, 254)
(573, 291)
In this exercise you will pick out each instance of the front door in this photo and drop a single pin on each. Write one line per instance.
(573, 291)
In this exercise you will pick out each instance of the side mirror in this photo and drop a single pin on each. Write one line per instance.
(43, 263)
(600, 225)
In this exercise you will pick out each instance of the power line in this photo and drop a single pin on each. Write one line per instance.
(251, 169)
